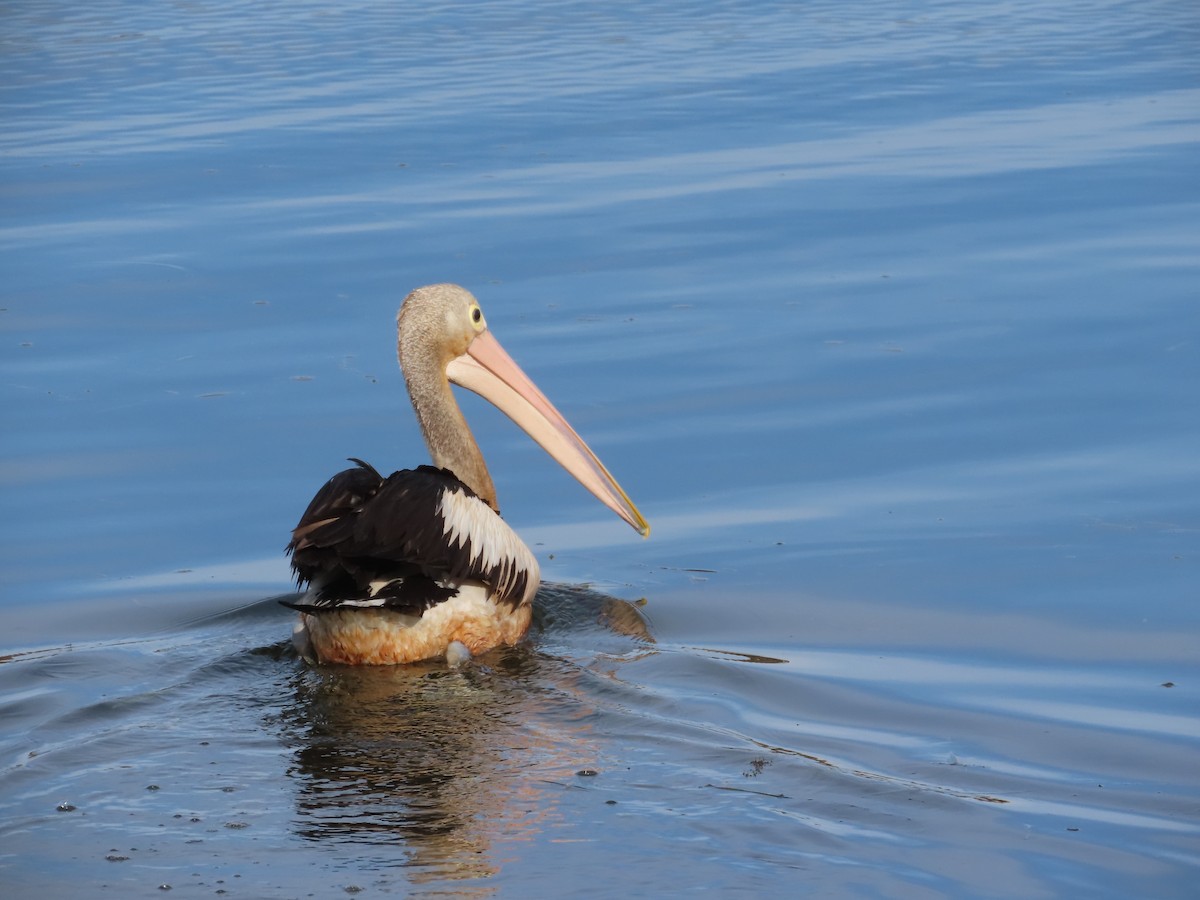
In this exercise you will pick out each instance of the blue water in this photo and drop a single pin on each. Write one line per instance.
(884, 314)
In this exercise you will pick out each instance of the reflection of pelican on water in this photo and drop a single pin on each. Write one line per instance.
(461, 767)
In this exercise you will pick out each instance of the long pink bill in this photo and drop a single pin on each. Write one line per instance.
(490, 372)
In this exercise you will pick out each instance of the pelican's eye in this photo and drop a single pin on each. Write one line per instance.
(477, 317)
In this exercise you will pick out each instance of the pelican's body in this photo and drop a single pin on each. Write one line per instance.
(419, 564)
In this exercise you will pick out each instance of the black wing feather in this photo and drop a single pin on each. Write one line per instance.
(361, 527)
(332, 509)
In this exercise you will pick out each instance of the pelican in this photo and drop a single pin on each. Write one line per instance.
(419, 565)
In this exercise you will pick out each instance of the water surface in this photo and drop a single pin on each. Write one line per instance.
(884, 314)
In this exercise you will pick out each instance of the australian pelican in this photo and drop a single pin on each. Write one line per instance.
(419, 564)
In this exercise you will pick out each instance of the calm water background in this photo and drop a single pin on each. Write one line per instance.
(885, 314)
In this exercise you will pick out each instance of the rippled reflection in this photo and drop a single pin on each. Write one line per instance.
(449, 764)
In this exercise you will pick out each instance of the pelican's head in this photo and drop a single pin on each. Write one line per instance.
(445, 323)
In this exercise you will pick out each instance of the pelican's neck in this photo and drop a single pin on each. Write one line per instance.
(447, 435)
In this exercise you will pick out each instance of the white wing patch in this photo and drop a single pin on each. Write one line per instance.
(378, 585)
(474, 528)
